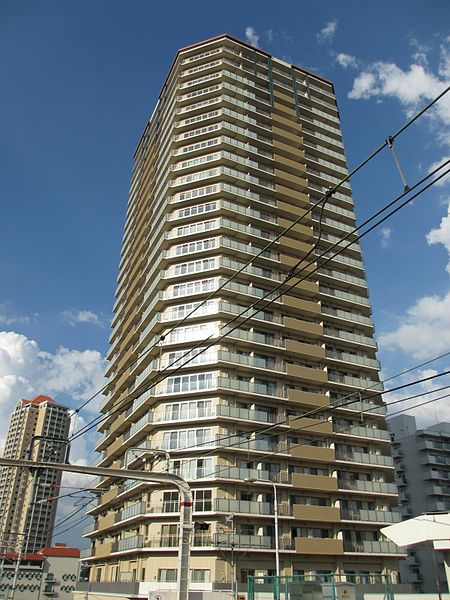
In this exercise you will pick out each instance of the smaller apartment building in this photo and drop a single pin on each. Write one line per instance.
(50, 573)
(422, 466)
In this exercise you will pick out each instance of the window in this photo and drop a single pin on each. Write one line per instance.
(198, 209)
(167, 575)
(190, 383)
(188, 410)
(192, 332)
(169, 539)
(198, 246)
(200, 575)
(245, 573)
(195, 266)
(202, 500)
(171, 502)
(187, 438)
(182, 310)
(192, 287)
(195, 468)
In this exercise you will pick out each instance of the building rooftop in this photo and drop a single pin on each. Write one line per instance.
(38, 400)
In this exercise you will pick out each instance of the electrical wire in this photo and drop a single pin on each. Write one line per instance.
(323, 199)
(85, 518)
(209, 452)
(98, 420)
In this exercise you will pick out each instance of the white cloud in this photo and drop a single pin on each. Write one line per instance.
(10, 317)
(441, 234)
(26, 371)
(347, 61)
(425, 415)
(385, 233)
(412, 87)
(424, 331)
(435, 165)
(327, 33)
(270, 35)
(387, 79)
(75, 317)
(251, 36)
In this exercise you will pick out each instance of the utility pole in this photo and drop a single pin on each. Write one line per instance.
(150, 477)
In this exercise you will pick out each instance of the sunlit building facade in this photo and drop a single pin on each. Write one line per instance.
(239, 146)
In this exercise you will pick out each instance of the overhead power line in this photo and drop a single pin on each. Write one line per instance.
(157, 379)
(325, 197)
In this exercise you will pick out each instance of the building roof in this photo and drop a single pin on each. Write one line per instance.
(38, 400)
(60, 550)
(429, 527)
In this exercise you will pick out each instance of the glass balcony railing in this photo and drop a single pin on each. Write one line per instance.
(365, 458)
(358, 382)
(369, 547)
(378, 434)
(376, 516)
(376, 487)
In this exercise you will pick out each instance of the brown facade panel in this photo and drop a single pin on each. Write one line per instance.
(311, 425)
(321, 483)
(308, 398)
(313, 453)
(324, 514)
(318, 546)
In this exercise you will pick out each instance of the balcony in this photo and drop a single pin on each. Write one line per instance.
(248, 507)
(86, 553)
(372, 547)
(372, 487)
(134, 542)
(363, 361)
(253, 542)
(351, 380)
(365, 458)
(238, 442)
(370, 432)
(349, 337)
(360, 406)
(373, 516)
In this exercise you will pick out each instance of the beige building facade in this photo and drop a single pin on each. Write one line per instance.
(239, 146)
(26, 524)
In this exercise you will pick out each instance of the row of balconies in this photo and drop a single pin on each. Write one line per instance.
(297, 512)
(150, 419)
(221, 541)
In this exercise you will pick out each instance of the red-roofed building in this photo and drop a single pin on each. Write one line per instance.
(51, 572)
(42, 425)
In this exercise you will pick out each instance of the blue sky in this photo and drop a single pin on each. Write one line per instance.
(78, 82)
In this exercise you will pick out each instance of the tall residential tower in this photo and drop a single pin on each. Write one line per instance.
(239, 146)
(26, 523)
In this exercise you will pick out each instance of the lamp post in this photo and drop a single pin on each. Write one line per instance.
(148, 476)
(275, 513)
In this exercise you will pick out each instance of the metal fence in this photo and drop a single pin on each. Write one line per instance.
(321, 587)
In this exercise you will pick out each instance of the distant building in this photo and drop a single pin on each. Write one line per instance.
(26, 523)
(51, 572)
(422, 463)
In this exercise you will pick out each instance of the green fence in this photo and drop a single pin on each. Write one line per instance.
(327, 587)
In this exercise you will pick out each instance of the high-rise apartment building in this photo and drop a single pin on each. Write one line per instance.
(239, 146)
(422, 464)
(26, 523)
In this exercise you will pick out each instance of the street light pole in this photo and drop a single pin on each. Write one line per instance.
(148, 476)
(277, 540)
(275, 512)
